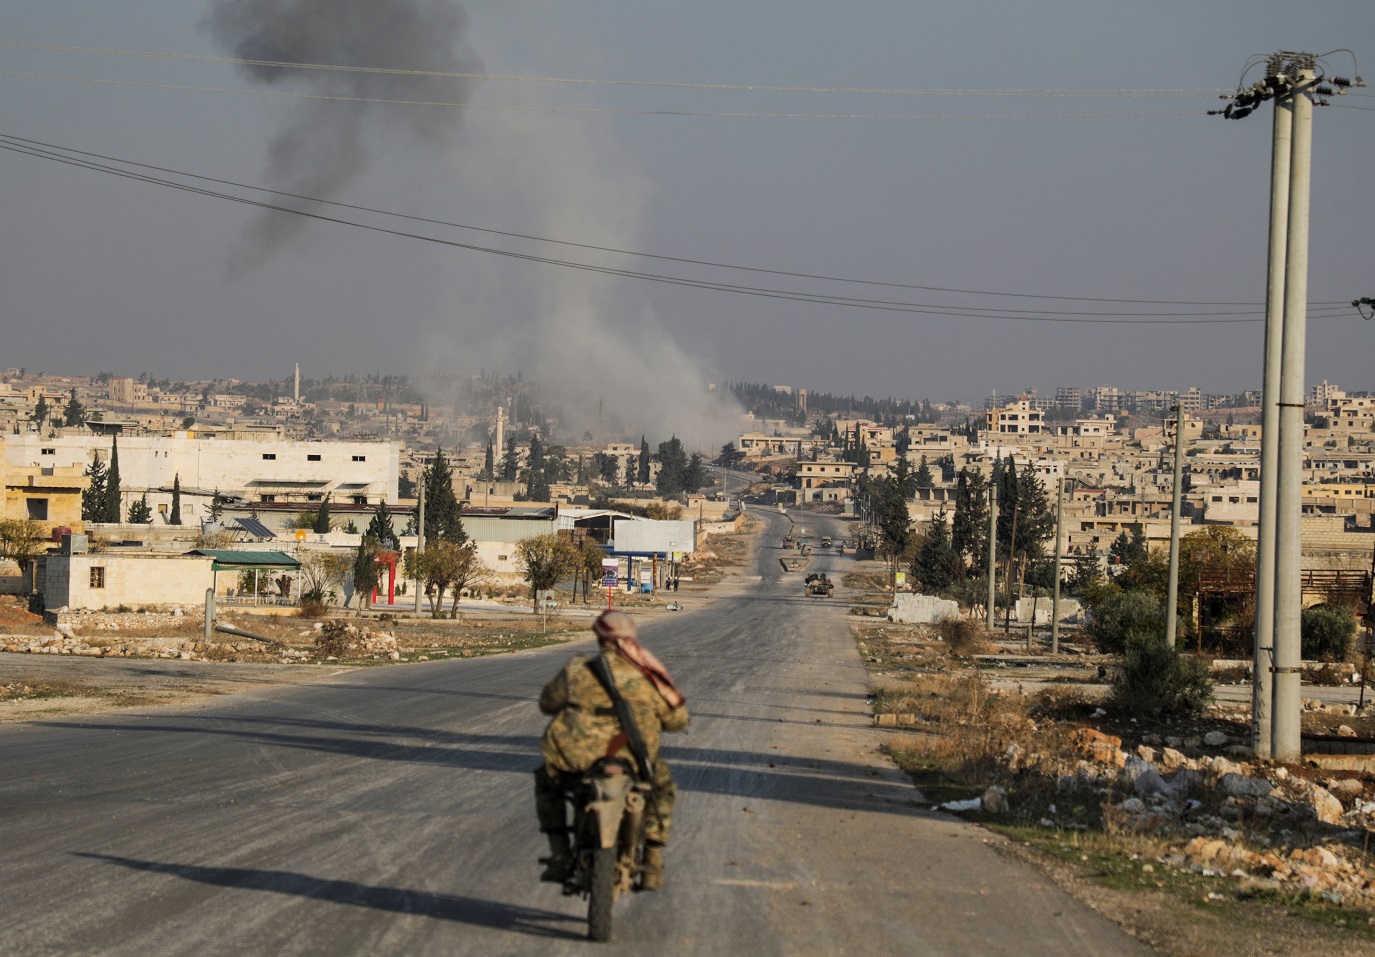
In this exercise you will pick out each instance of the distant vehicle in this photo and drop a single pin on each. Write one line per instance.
(818, 586)
(826, 541)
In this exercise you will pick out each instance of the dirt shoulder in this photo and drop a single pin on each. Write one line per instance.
(47, 686)
(1209, 924)
(1227, 855)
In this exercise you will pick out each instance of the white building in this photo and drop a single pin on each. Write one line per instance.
(267, 470)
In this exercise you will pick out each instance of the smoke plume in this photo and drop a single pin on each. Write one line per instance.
(592, 341)
(327, 143)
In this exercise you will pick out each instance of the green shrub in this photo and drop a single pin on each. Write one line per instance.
(1326, 632)
(1123, 615)
(1154, 675)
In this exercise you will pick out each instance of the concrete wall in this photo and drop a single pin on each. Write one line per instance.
(909, 609)
(1067, 607)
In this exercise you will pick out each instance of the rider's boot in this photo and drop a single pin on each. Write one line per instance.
(652, 868)
(558, 866)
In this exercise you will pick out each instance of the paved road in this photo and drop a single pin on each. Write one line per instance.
(388, 811)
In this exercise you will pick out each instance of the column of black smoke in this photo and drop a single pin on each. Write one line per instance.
(327, 143)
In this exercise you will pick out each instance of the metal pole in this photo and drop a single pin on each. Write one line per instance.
(1055, 601)
(1172, 590)
(1285, 736)
(992, 549)
(420, 540)
(1263, 653)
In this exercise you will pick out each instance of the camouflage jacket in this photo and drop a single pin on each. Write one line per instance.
(585, 722)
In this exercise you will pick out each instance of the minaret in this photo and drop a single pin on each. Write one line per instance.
(296, 391)
(499, 445)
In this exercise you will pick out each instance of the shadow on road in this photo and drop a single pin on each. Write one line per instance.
(464, 910)
(774, 775)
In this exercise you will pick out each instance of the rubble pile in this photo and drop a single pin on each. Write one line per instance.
(1222, 815)
(64, 642)
(84, 620)
(1320, 871)
(340, 639)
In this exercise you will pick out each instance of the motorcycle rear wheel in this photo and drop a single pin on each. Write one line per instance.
(601, 894)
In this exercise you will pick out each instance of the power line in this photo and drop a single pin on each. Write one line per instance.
(740, 87)
(727, 114)
(53, 151)
(782, 294)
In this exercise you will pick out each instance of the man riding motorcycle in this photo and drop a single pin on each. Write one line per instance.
(584, 729)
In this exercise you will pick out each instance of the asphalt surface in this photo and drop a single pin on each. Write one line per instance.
(389, 811)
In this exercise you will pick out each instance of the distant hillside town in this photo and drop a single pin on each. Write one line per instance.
(102, 470)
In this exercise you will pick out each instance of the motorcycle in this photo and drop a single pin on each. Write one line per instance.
(608, 839)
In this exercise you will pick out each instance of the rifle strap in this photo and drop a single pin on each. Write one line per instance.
(624, 716)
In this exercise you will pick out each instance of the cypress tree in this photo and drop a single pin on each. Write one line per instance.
(175, 517)
(139, 512)
(923, 478)
(969, 528)
(443, 512)
(380, 529)
(510, 461)
(321, 526)
(110, 508)
(642, 471)
(365, 574)
(93, 496)
(74, 413)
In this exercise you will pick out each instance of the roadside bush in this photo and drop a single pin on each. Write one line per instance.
(1326, 632)
(962, 636)
(1154, 675)
(312, 608)
(1122, 617)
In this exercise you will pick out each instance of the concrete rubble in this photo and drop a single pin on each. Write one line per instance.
(339, 639)
(1262, 824)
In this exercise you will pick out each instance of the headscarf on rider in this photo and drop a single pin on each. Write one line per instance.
(616, 630)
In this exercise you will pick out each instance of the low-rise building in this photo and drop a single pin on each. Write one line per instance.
(1016, 418)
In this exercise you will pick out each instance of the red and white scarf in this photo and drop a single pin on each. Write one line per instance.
(616, 629)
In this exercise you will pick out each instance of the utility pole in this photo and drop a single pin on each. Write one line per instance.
(1172, 592)
(1055, 601)
(420, 542)
(992, 548)
(1286, 742)
(1293, 81)
(1263, 655)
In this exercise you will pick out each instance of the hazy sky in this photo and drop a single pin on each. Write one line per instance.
(1113, 197)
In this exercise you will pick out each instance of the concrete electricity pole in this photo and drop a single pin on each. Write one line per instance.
(1285, 738)
(1292, 80)
(1263, 655)
(1055, 600)
(1172, 592)
(420, 540)
(992, 548)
